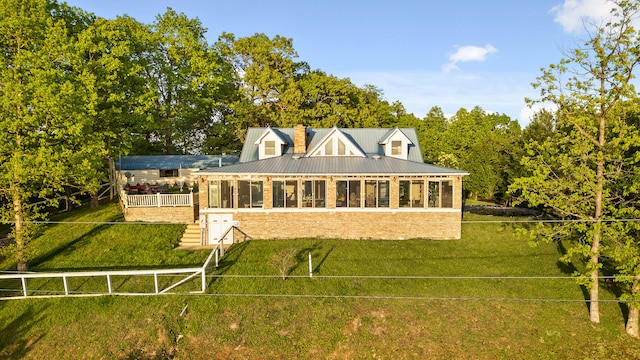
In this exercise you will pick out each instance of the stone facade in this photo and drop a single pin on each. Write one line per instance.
(361, 224)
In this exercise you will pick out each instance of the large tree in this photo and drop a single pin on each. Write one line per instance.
(485, 144)
(47, 103)
(580, 173)
(188, 83)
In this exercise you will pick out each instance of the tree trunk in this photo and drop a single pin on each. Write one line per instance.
(632, 327)
(94, 202)
(632, 322)
(18, 218)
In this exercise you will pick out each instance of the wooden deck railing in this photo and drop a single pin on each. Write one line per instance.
(157, 200)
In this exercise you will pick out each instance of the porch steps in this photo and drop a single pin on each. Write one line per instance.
(191, 238)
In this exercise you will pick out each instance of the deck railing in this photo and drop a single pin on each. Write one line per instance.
(157, 200)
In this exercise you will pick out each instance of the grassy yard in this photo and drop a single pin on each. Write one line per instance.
(367, 299)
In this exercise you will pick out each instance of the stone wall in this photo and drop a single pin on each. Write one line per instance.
(388, 225)
(172, 214)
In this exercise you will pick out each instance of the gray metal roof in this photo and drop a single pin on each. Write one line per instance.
(366, 139)
(167, 162)
(332, 165)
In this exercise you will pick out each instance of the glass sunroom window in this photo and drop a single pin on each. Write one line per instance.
(250, 194)
(348, 193)
(441, 194)
(411, 193)
(221, 194)
(376, 193)
(314, 193)
(285, 193)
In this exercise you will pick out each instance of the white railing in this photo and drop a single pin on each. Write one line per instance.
(157, 200)
(108, 276)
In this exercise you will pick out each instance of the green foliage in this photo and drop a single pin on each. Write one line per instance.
(581, 163)
(47, 103)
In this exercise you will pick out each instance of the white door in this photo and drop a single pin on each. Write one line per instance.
(217, 225)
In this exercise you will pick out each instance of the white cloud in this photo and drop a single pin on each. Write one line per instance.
(471, 53)
(573, 14)
(467, 53)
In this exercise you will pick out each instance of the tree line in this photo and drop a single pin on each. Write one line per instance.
(77, 90)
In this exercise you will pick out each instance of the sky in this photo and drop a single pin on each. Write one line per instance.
(424, 53)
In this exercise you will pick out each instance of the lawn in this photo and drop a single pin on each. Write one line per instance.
(367, 299)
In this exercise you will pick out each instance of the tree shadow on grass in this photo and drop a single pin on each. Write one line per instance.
(302, 257)
(609, 272)
(38, 260)
(15, 342)
(570, 269)
(226, 262)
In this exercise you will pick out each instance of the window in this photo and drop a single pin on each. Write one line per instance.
(341, 147)
(396, 148)
(441, 194)
(169, 173)
(348, 193)
(249, 194)
(270, 148)
(411, 193)
(328, 148)
(221, 194)
(285, 193)
(314, 193)
(404, 197)
(376, 193)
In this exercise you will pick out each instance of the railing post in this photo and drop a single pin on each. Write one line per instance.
(158, 198)
(24, 286)
(204, 280)
(109, 283)
(155, 281)
(66, 286)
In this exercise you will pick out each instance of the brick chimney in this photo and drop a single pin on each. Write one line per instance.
(299, 139)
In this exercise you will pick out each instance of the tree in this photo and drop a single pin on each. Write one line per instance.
(265, 70)
(485, 145)
(187, 81)
(581, 172)
(47, 103)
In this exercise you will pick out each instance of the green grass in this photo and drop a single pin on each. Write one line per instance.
(343, 315)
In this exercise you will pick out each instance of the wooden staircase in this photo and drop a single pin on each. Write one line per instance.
(191, 238)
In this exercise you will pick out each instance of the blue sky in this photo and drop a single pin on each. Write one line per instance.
(424, 53)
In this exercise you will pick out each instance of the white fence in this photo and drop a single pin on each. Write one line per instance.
(157, 200)
(108, 276)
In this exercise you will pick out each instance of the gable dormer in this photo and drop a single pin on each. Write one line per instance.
(336, 143)
(396, 144)
(270, 144)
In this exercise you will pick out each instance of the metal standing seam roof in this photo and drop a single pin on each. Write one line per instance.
(167, 162)
(290, 164)
(367, 139)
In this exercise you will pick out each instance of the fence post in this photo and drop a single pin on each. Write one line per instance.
(155, 281)
(24, 286)
(66, 286)
(109, 283)
(204, 280)
(158, 198)
(310, 266)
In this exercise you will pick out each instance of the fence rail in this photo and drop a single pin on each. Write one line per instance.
(157, 200)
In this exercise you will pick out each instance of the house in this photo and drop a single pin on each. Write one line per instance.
(331, 183)
(167, 170)
(163, 187)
